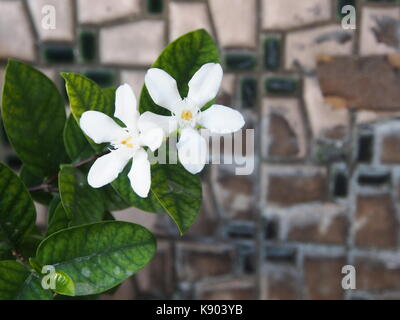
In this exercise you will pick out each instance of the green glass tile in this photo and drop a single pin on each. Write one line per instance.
(248, 89)
(240, 61)
(340, 186)
(103, 78)
(341, 4)
(281, 85)
(88, 45)
(155, 6)
(58, 54)
(272, 54)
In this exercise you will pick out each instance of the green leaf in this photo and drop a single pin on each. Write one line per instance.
(34, 118)
(84, 95)
(176, 190)
(18, 283)
(123, 186)
(17, 211)
(82, 203)
(59, 220)
(77, 146)
(98, 256)
(31, 180)
(181, 59)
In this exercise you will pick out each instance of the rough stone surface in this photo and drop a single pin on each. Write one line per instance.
(99, 11)
(235, 26)
(284, 135)
(235, 289)
(322, 116)
(130, 44)
(375, 221)
(282, 282)
(186, 17)
(323, 278)
(354, 80)
(234, 193)
(379, 33)
(203, 261)
(285, 14)
(16, 38)
(297, 187)
(304, 46)
(378, 274)
(64, 28)
(326, 223)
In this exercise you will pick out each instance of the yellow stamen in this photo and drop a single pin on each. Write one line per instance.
(187, 115)
(125, 142)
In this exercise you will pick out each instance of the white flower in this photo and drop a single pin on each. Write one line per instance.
(187, 114)
(126, 143)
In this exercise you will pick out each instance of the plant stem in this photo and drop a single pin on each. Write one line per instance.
(47, 186)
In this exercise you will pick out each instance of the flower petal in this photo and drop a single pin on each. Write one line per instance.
(221, 119)
(205, 84)
(150, 120)
(100, 127)
(126, 106)
(152, 138)
(192, 150)
(162, 88)
(107, 168)
(140, 174)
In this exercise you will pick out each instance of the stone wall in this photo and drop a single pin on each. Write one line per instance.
(324, 103)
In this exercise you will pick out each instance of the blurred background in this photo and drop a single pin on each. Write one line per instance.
(325, 105)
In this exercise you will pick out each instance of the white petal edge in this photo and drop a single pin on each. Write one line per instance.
(140, 174)
(220, 119)
(204, 85)
(126, 105)
(100, 127)
(162, 88)
(192, 150)
(152, 138)
(150, 120)
(107, 168)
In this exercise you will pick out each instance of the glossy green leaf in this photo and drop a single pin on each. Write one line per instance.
(84, 95)
(173, 191)
(82, 203)
(123, 186)
(17, 211)
(18, 283)
(77, 146)
(31, 180)
(59, 220)
(34, 117)
(98, 256)
(181, 59)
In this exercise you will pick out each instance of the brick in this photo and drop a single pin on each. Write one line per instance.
(354, 80)
(282, 282)
(203, 261)
(377, 274)
(304, 46)
(390, 147)
(325, 223)
(283, 138)
(233, 289)
(285, 14)
(323, 278)
(375, 221)
(297, 188)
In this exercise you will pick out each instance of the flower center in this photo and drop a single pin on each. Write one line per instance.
(187, 115)
(127, 142)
